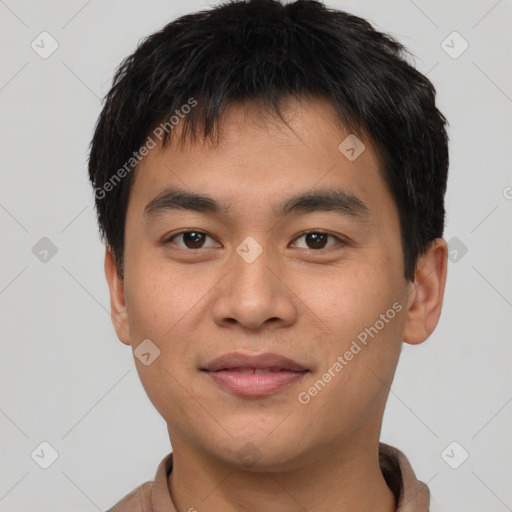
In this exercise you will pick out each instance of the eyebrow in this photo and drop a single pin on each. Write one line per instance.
(339, 201)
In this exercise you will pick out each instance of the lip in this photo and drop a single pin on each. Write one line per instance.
(267, 360)
(231, 373)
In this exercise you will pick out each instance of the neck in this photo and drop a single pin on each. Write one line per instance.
(342, 479)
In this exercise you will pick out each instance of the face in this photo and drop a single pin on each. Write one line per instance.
(320, 283)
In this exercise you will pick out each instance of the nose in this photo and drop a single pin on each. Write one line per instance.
(254, 295)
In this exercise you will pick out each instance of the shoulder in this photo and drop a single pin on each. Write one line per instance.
(137, 500)
(151, 495)
(412, 495)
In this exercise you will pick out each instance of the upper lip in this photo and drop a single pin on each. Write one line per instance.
(267, 360)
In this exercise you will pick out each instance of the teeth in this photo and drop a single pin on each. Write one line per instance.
(245, 370)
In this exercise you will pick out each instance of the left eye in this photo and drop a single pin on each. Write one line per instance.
(318, 239)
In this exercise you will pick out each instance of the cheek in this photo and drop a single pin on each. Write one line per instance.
(158, 301)
(161, 310)
(348, 302)
(157, 311)
(364, 311)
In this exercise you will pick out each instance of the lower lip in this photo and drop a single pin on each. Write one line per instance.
(255, 384)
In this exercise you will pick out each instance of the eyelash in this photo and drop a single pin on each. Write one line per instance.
(339, 241)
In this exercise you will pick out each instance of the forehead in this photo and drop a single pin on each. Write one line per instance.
(258, 159)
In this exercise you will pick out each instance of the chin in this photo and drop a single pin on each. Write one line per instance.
(258, 453)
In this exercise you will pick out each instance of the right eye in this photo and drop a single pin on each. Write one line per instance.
(191, 239)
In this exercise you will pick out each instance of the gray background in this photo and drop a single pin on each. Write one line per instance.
(67, 380)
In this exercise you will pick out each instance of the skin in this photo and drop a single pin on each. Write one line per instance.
(296, 300)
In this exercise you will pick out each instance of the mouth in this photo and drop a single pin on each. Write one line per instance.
(254, 376)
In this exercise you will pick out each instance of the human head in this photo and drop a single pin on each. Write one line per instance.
(225, 84)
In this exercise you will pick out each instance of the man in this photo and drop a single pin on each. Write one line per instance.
(270, 181)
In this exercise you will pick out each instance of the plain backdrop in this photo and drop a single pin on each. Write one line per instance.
(65, 378)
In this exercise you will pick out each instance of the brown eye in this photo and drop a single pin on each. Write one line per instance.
(190, 239)
(317, 240)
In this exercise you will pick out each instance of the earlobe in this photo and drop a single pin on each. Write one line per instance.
(426, 299)
(118, 311)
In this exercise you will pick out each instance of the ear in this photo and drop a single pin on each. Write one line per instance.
(118, 311)
(426, 294)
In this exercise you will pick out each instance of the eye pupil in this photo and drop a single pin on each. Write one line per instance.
(315, 238)
(192, 237)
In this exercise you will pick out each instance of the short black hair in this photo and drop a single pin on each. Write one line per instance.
(262, 52)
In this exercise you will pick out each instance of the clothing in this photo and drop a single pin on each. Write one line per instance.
(154, 496)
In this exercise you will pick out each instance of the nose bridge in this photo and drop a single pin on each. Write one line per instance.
(251, 279)
(252, 294)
